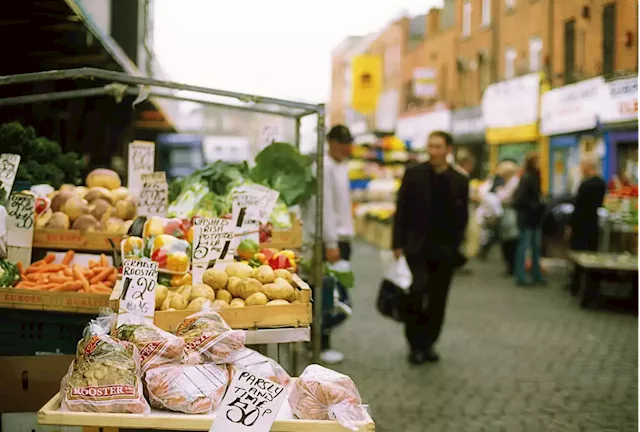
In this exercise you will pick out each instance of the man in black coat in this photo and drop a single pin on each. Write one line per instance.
(584, 228)
(431, 217)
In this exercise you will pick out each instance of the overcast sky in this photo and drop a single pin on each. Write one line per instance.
(278, 48)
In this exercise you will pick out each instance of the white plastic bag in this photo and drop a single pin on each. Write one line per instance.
(399, 274)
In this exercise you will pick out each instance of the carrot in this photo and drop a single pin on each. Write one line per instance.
(68, 257)
(77, 272)
(113, 277)
(100, 276)
(45, 268)
(109, 283)
(81, 290)
(93, 263)
(67, 272)
(59, 279)
(49, 258)
(99, 289)
(100, 268)
(68, 286)
(103, 260)
(47, 286)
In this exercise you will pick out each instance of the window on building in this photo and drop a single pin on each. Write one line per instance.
(510, 56)
(486, 13)
(466, 18)
(608, 38)
(569, 51)
(483, 72)
(510, 4)
(463, 79)
(535, 54)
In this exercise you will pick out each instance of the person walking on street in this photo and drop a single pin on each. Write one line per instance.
(527, 202)
(584, 229)
(338, 230)
(431, 218)
(508, 227)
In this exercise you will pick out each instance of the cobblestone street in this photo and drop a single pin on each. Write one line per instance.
(514, 359)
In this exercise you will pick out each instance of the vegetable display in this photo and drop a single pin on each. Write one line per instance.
(9, 273)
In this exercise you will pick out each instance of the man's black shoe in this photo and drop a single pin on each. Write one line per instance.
(417, 358)
(431, 356)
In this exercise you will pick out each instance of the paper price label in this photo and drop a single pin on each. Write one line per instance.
(21, 219)
(258, 202)
(250, 404)
(212, 239)
(138, 296)
(154, 196)
(9, 164)
(141, 161)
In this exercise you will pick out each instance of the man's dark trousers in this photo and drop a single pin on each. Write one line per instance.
(428, 300)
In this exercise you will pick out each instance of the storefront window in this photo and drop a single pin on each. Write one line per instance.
(628, 160)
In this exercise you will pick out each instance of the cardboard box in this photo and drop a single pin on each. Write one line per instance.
(29, 382)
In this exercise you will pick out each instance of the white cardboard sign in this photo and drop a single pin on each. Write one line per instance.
(138, 296)
(213, 240)
(251, 404)
(154, 195)
(20, 221)
(9, 164)
(141, 161)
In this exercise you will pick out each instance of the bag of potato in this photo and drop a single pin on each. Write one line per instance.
(157, 347)
(323, 394)
(190, 389)
(259, 365)
(105, 375)
(208, 338)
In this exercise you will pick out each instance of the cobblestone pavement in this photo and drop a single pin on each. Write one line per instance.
(514, 360)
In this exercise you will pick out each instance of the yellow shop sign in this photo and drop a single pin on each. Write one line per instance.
(366, 83)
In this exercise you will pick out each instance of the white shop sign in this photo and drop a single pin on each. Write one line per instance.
(387, 112)
(424, 83)
(620, 102)
(512, 103)
(417, 128)
(572, 108)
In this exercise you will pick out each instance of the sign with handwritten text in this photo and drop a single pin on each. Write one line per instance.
(9, 164)
(257, 200)
(141, 161)
(212, 238)
(138, 296)
(268, 135)
(20, 224)
(250, 404)
(154, 196)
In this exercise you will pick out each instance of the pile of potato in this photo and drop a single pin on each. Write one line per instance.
(239, 285)
(103, 205)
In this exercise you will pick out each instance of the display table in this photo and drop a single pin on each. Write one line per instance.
(50, 414)
(591, 269)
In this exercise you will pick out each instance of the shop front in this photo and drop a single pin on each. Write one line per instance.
(619, 118)
(415, 129)
(467, 128)
(569, 117)
(511, 112)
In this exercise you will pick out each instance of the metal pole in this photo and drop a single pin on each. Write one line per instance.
(318, 247)
(54, 96)
(297, 138)
(145, 81)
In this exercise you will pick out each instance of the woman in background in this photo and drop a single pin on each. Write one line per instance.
(508, 171)
(527, 202)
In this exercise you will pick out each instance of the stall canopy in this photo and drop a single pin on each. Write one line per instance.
(54, 34)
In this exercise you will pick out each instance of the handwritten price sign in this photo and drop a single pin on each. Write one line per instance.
(141, 161)
(20, 221)
(9, 164)
(138, 297)
(212, 239)
(250, 404)
(258, 202)
(154, 197)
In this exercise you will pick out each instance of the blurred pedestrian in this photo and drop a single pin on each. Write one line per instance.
(583, 229)
(431, 217)
(465, 166)
(529, 207)
(508, 225)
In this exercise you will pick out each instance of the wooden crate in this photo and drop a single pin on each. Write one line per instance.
(249, 317)
(286, 239)
(52, 239)
(52, 301)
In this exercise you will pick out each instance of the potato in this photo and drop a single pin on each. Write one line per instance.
(115, 226)
(256, 299)
(197, 304)
(283, 282)
(233, 286)
(201, 290)
(278, 292)
(126, 209)
(161, 294)
(97, 193)
(170, 310)
(103, 178)
(86, 223)
(243, 271)
(216, 279)
(67, 187)
(75, 207)
(101, 210)
(60, 198)
(219, 304)
(59, 220)
(265, 274)
(119, 194)
(298, 295)
(237, 302)
(284, 274)
(185, 292)
(166, 304)
(225, 295)
(178, 302)
(278, 302)
(249, 287)
(81, 191)
(43, 219)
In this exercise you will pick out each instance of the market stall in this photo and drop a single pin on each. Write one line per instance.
(63, 298)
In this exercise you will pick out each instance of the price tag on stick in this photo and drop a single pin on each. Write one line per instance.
(20, 222)
(9, 164)
(141, 161)
(138, 296)
(251, 404)
(154, 196)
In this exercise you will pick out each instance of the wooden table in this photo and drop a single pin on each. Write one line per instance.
(50, 414)
(590, 267)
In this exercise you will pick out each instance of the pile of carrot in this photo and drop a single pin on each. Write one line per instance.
(46, 275)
